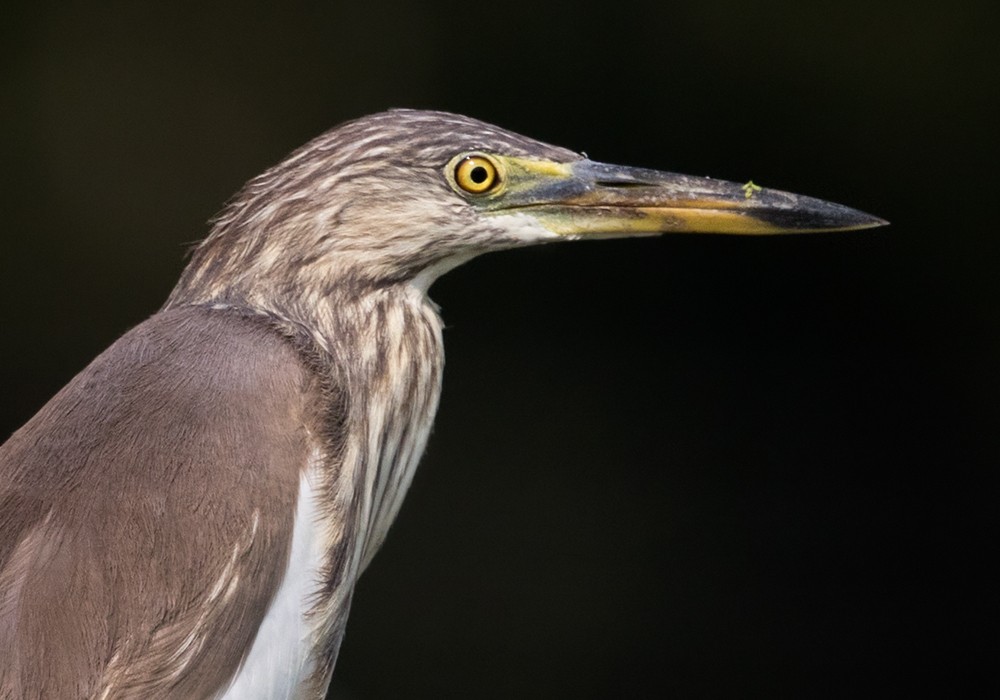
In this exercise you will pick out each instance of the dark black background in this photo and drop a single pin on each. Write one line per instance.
(706, 466)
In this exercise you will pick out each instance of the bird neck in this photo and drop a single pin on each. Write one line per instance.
(385, 360)
(387, 354)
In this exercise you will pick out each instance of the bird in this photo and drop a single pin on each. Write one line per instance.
(189, 515)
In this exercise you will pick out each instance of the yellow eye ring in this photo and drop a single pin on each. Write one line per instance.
(476, 174)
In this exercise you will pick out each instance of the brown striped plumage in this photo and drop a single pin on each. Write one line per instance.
(188, 517)
(318, 256)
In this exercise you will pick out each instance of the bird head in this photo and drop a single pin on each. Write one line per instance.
(403, 196)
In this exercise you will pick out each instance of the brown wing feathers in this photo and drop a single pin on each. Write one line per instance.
(178, 450)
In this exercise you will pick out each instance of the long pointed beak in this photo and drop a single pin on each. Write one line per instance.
(588, 199)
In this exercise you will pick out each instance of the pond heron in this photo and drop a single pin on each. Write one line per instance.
(188, 517)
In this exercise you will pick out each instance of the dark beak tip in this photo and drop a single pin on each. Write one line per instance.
(827, 217)
(866, 221)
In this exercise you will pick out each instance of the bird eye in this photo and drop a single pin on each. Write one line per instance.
(476, 174)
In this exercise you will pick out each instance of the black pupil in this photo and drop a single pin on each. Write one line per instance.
(479, 175)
